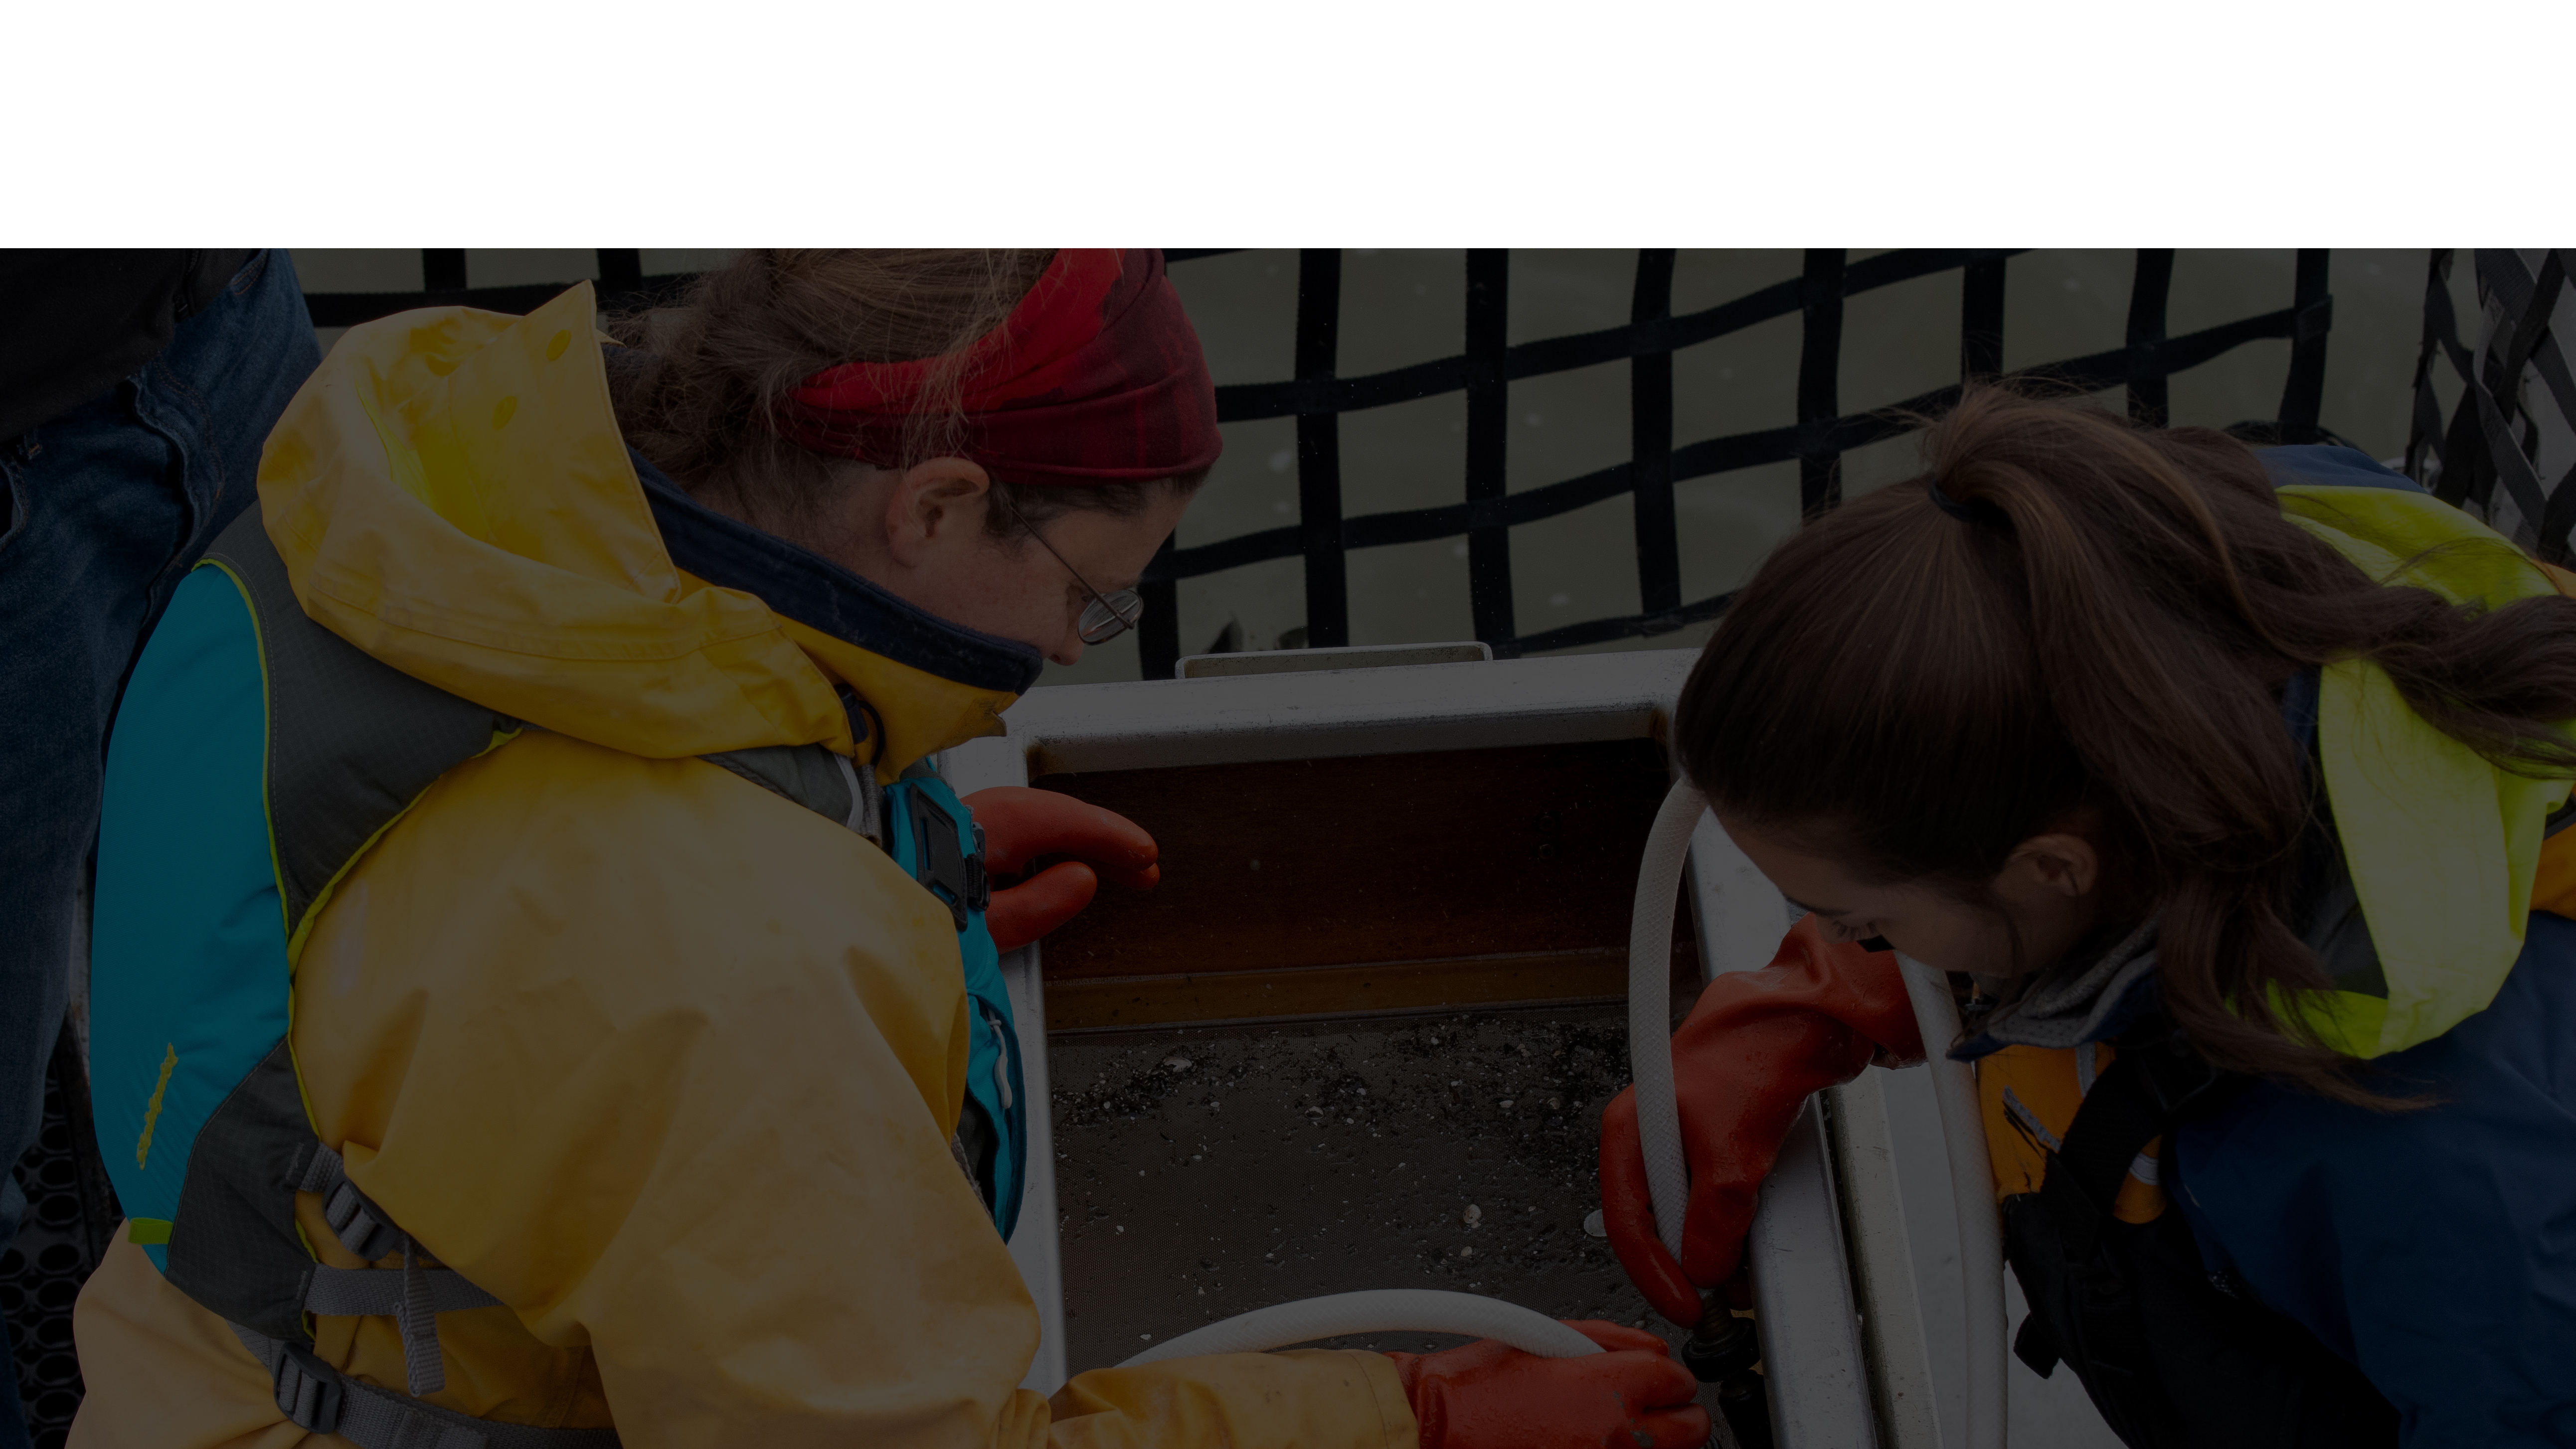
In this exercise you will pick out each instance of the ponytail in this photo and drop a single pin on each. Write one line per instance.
(2068, 616)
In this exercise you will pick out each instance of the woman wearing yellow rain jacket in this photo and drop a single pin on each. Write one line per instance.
(528, 958)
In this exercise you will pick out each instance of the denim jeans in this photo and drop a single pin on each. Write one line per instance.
(109, 506)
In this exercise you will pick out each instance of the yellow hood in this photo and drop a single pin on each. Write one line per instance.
(2442, 845)
(451, 494)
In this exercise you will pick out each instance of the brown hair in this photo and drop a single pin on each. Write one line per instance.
(696, 402)
(2107, 641)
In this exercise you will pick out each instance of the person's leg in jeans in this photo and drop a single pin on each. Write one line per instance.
(108, 506)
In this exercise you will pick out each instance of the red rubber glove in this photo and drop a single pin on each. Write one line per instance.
(1021, 824)
(1490, 1395)
(1755, 1045)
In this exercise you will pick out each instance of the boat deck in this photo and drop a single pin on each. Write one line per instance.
(1329, 1071)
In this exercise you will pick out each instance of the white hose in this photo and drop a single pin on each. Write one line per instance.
(1981, 1234)
(1650, 1008)
(1378, 1310)
(1963, 1128)
(1415, 1310)
(1650, 1048)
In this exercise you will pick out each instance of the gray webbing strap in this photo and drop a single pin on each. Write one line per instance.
(363, 1292)
(413, 1295)
(424, 1367)
(867, 801)
(320, 1400)
(966, 1165)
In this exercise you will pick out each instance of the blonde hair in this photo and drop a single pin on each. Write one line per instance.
(697, 403)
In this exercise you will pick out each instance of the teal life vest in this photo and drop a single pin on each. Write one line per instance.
(932, 835)
(256, 756)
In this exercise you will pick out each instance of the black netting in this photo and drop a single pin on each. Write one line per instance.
(70, 1212)
(2508, 453)
(1822, 434)
(1317, 395)
(622, 284)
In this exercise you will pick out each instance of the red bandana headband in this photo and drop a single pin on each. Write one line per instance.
(1096, 377)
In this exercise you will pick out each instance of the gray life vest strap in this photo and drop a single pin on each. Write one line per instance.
(319, 1399)
(382, 1292)
(816, 778)
(352, 743)
(413, 1296)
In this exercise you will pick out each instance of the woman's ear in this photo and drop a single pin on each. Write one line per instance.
(2060, 865)
(934, 505)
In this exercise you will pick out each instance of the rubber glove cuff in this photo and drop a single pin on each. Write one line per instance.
(1755, 1046)
(1489, 1395)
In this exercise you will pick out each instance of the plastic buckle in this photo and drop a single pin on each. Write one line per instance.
(955, 877)
(356, 1222)
(309, 1391)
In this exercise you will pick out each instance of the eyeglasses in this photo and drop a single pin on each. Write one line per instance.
(1107, 615)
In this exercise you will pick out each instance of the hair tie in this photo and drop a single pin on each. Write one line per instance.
(1975, 510)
